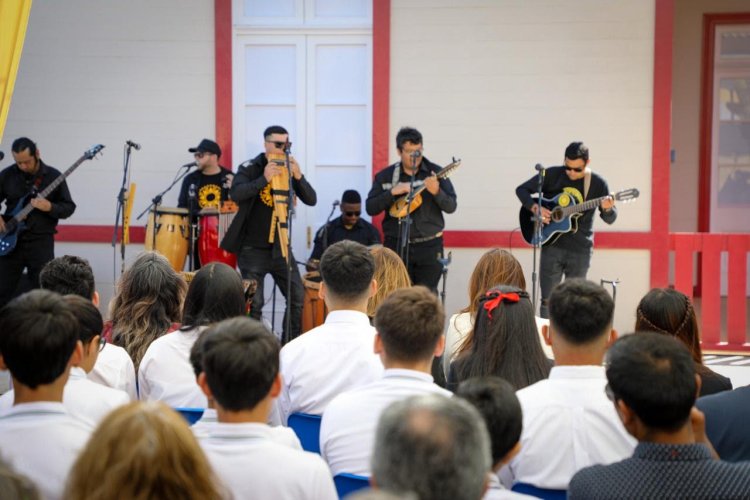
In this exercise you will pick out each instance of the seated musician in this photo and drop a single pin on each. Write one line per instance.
(347, 226)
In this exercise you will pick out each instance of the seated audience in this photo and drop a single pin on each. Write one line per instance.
(336, 356)
(71, 275)
(409, 327)
(241, 375)
(496, 401)
(727, 414)
(670, 312)
(16, 486)
(142, 451)
(568, 422)
(390, 275)
(504, 342)
(653, 385)
(433, 446)
(165, 373)
(39, 345)
(147, 304)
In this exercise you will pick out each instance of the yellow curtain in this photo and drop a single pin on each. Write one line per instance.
(14, 17)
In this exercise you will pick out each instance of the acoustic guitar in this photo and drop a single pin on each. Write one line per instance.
(398, 209)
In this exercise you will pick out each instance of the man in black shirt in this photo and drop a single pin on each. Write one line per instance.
(348, 226)
(570, 254)
(426, 235)
(36, 243)
(248, 235)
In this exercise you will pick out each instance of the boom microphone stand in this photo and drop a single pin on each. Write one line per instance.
(536, 241)
(289, 260)
(129, 145)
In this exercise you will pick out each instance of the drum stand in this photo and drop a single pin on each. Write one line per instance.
(193, 227)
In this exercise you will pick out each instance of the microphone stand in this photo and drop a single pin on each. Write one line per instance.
(121, 208)
(325, 228)
(156, 200)
(405, 228)
(445, 262)
(289, 260)
(192, 218)
(538, 224)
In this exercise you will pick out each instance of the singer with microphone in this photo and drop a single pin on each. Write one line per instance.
(425, 239)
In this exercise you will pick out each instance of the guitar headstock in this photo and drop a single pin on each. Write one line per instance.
(93, 151)
(627, 195)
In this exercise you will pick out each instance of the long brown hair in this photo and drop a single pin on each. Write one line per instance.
(670, 312)
(495, 267)
(390, 275)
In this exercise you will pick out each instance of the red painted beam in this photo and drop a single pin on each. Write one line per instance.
(223, 78)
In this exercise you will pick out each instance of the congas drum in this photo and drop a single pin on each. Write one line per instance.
(209, 239)
(167, 232)
(314, 309)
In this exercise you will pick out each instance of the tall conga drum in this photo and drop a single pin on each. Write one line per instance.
(210, 237)
(167, 232)
(314, 309)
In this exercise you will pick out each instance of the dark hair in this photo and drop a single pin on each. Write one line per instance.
(670, 312)
(67, 275)
(38, 334)
(23, 143)
(577, 151)
(215, 293)
(241, 361)
(351, 196)
(274, 129)
(407, 134)
(90, 323)
(196, 353)
(496, 401)
(580, 311)
(507, 344)
(410, 323)
(655, 376)
(347, 268)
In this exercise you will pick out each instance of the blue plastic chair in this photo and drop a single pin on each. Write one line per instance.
(349, 483)
(192, 415)
(530, 489)
(307, 428)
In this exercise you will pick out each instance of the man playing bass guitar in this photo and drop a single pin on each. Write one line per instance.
(36, 244)
(570, 253)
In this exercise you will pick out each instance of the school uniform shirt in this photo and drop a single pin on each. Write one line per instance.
(347, 432)
(251, 465)
(319, 365)
(83, 399)
(496, 490)
(165, 373)
(115, 369)
(282, 435)
(42, 441)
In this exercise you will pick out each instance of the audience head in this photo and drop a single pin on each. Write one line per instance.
(69, 275)
(240, 363)
(410, 326)
(90, 326)
(38, 338)
(580, 312)
(390, 275)
(496, 401)
(434, 446)
(15, 486)
(670, 312)
(142, 451)
(654, 377)
(346, 269)
(148, 300)
(495, 267)
(215, 293)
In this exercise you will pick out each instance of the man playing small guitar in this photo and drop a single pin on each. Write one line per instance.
(36, 244)
(570, 253)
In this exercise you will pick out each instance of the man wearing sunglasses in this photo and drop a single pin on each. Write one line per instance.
(570, 253)
(348, 226)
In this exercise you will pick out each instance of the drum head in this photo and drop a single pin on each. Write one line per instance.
(172, 210)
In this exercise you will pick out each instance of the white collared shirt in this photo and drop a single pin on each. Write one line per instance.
(165, 373)
(252, 465)
(83, 399)
(42, 441)
(496, 491)
(568, 424)
(319, 365)
(114, 368)
(282, 435)
(347, 432)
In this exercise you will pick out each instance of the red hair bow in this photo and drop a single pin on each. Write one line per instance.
(491, 304)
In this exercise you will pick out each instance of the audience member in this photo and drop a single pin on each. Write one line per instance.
(16, 486)
(727, 414)
(146, 306)
(670, 312)
(496, 401)
(568, 422)
(142, 451)
(71, 275)
(390, 275)
(165, 373)
(653, 385)
(241, 375)
(434, 446)
(39, 345)
(336, 356)
(409, 327)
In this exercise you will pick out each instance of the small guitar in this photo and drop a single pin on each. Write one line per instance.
(564, 216)
(16, 225)
(398, 209)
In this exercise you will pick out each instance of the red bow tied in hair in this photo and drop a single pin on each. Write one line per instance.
(494, 299)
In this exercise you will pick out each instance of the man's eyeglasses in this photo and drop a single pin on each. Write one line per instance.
(575, 169)
(102, 343)
(199, 154)
(280, 144)
(353, 213)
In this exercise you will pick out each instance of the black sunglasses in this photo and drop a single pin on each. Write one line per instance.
(280, 144)
(575, 169)
(353, 213)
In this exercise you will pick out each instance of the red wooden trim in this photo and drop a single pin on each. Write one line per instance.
(381, 86)
(223, 78)
(513, 239)
(737, 289)
(96, 234)
(683, 262)
(711, 285)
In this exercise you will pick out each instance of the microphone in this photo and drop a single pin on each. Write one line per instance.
(336, 203)
(189, 165)
(2, 155)
(133, 145)
(539, 168)
(416, 154)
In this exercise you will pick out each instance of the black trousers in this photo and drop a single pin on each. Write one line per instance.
(556, 262)
(31, 253)
(423, 266)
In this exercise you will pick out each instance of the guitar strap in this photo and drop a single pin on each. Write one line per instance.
(586, 182)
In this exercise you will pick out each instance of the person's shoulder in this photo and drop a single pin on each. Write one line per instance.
(386, 172)
(590, 477)
(739, 396)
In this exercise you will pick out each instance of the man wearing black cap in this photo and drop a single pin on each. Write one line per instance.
(348, 226)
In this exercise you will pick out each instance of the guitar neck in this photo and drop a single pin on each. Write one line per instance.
(52, 186)
(582, 207)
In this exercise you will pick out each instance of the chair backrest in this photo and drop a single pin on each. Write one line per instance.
(530, 489)
(192, 415)
(349, 483)
(307, 428)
